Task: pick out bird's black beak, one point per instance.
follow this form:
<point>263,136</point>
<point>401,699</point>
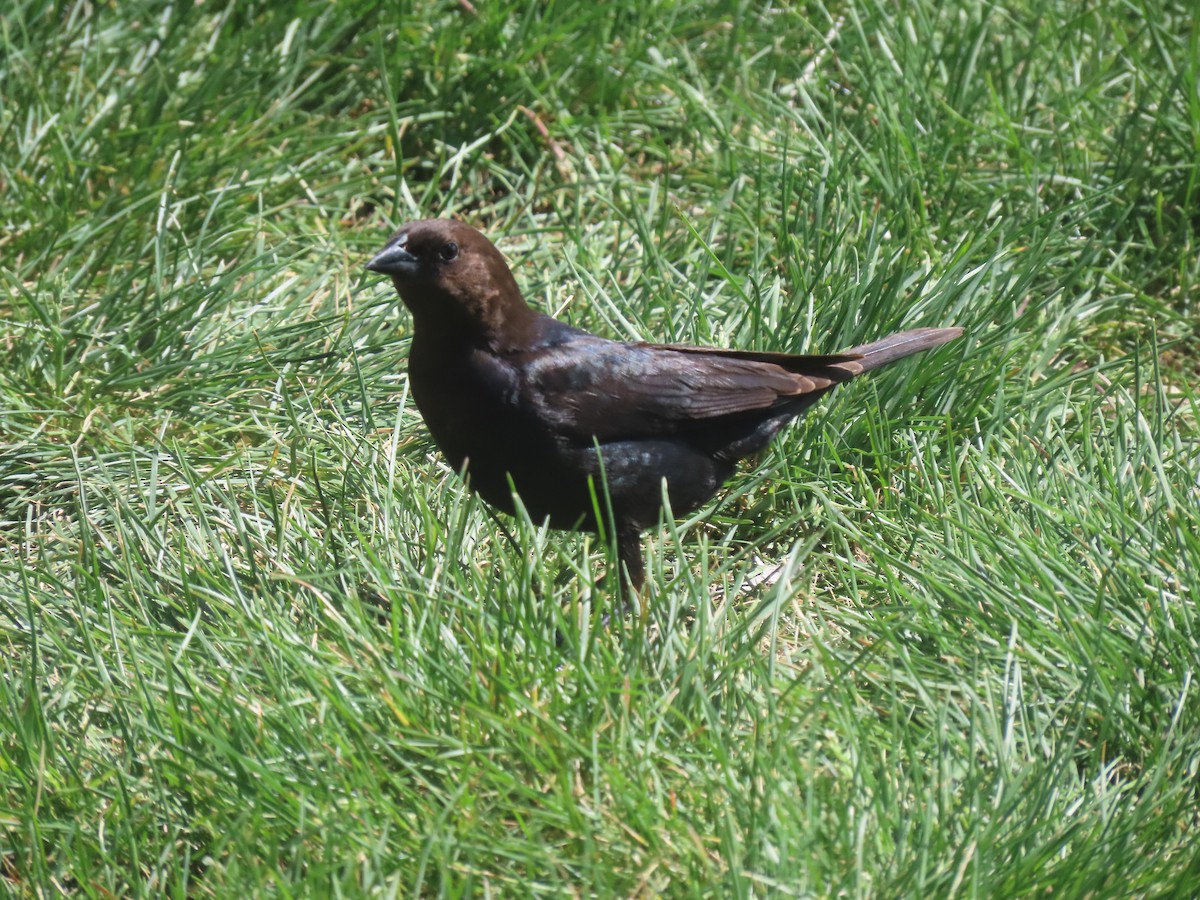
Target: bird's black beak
<point>394,259</point>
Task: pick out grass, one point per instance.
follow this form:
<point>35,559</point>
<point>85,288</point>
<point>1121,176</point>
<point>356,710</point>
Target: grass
<point>941,640</point>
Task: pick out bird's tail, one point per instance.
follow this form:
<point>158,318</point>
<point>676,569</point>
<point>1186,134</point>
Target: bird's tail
<point>896,346</point>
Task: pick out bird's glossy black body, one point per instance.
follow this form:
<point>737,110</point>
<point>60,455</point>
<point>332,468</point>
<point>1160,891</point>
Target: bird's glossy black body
<point>512,394</point>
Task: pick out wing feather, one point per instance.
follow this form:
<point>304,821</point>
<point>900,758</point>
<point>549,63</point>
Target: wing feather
<point>590,387</point>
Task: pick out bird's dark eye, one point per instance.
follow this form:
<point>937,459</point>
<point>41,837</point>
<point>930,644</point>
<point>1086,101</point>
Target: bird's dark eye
<point>449,251</point>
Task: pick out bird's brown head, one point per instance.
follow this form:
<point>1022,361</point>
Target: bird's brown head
<point>452,279</point>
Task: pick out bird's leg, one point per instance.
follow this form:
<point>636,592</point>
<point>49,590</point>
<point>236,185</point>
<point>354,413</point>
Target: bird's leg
<point>631,577</point>
<point>633,571</point>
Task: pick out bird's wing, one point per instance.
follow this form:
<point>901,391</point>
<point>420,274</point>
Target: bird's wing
<point>590,387</point>
<point>787,361</point>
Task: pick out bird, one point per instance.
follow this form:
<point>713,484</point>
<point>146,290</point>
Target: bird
<point>589,432</point>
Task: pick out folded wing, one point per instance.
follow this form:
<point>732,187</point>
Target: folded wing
<point>592,388</point>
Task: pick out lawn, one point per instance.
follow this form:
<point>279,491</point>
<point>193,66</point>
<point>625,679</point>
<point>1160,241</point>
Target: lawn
<point>942,639</point>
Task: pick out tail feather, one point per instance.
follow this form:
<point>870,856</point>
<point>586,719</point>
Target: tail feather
<point>896,346</point>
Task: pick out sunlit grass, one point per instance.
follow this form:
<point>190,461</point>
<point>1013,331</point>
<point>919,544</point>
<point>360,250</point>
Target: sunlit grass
<point>940,640</point>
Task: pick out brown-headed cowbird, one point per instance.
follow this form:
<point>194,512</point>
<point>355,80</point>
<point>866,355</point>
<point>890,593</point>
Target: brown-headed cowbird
<point>511,393</point>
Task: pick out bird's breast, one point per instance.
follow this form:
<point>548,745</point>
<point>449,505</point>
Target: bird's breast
<point>462,393</point>
<point>470,401</point>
